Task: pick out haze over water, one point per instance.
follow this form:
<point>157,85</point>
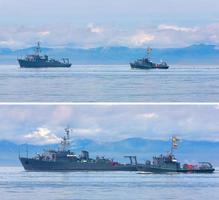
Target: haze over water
<point>109,83</point>
<point>17,184</point>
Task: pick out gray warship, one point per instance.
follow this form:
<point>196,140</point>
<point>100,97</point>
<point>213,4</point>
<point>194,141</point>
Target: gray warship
<point>64,159</point>
<point>145,63</point>
<point>169,163</point>
<point>37,61</point>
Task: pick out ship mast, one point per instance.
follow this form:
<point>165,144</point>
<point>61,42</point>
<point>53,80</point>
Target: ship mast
<point>38,49</point>
<point>149,50</point>
<point>65,143</point>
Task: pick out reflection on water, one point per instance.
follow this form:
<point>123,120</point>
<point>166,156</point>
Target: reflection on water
<point>109,83</point>
<point>15,183</point>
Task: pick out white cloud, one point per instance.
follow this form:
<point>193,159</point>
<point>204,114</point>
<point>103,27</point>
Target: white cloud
<point>8,43</point>
<point>86,131</point>
<point>42,136</point>
<point>176,28</point>
<point>105,123</point>
<point>95,29</point>
<point>149,116</point>
<point>141,38</point>
<point>61,114</point>
<point>44,33</point>
<point>92,35</point>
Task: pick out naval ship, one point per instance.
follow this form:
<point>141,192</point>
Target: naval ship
<point>169,163</point>
<point>37,61</point>
<point>64,159</point>
<point>145,63</point>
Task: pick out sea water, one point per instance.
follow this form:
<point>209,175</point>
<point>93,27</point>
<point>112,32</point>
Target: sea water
<point>109,83</point>
<point>17,184</point>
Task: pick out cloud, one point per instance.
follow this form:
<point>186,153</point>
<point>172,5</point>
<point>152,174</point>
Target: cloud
<point>86,131</point>
<point>42,136</point>
<point>108,123</point>
<point>61,115</point>
<point>91,35</point>
<point>112,23</point>
<point>176,28</point>
<point>131,38</point>
<point>22,36</point>
<point>9,42</point>
<point>141,38</point>
<point>44,33</point>
<point>149,116</point>
<point>95,29</point>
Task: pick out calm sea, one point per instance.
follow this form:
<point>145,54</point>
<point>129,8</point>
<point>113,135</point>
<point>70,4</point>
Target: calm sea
<point>16,184</point>
<point>108,83</point>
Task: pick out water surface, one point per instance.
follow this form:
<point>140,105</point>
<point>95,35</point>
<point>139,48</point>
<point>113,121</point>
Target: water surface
<point>109,83</point>
<point>16,184</point>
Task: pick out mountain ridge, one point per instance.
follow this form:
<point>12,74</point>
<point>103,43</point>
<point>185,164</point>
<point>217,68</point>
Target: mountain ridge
<point>201,54</point>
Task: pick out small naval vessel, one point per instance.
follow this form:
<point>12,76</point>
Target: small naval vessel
<point>37,61</point>
<point>169,163</point>
<point>64,159</point>
<point>145,63</point>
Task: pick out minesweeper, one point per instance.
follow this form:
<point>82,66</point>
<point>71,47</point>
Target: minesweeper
<point>37,61</point>
<point>169,163</point>
<point>145,63</point>
<point>64,159</point>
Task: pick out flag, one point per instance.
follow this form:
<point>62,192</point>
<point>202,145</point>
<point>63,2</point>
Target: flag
<point>175,141</point>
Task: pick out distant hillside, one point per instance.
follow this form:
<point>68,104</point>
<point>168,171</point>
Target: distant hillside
<point>143,148</point>
<point>196,54</point>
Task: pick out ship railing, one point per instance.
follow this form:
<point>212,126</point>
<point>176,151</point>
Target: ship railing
<point>206,164</point>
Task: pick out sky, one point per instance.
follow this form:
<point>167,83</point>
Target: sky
<point>88,24</point>
<point>44,124</point>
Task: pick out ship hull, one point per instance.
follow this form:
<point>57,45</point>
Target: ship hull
<point>139,66</point>
<point>30,164</point>
<point>180,170</point>
<point>42,64</point>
